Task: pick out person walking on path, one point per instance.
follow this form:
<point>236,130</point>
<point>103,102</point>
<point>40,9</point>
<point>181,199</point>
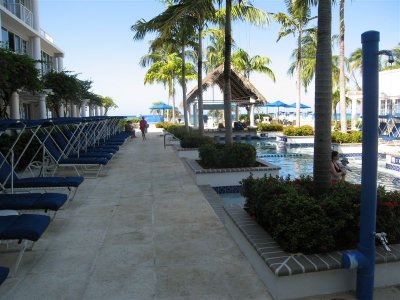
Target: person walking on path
<point>143,127</point>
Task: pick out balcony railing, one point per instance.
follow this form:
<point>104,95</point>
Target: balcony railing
<point>20,11</point>
<point>46,36</point>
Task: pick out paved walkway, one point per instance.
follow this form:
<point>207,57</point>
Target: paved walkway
<point>144,231</point>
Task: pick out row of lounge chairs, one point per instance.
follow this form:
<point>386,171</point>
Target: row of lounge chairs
<point>85,144</point>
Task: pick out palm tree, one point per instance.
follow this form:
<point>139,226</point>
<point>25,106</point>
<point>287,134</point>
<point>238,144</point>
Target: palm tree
<point>342,79</point>
<point>323,99</point>
<point>245,64</point>
<point>243,11</point>
<point>179,32</point>
<point>295,23</point>
<point>355,61</point>
<point>162,68</point>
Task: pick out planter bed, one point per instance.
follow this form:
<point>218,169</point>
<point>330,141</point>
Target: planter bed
<point>230,176</point>
<point>289,275</point>
<point>190,153</point>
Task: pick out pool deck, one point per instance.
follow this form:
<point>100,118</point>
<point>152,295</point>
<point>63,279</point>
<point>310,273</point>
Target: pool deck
<point>143,231</point>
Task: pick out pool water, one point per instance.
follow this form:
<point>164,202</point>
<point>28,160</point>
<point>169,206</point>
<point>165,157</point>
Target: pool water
<point>299,161</point>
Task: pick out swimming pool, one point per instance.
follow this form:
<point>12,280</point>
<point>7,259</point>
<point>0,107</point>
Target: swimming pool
<point>299,161</point>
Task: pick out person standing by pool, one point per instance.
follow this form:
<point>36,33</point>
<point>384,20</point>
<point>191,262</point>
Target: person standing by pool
<point>336,172</point>
<point>143,127</point>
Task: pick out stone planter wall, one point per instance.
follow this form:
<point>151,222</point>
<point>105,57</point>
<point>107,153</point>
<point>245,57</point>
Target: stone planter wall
<point>296,141</point>
<point>229,176</point>
<point>393,162</point>
<point>190,153</point>
<point>289,275</point>
<point>348,150</point>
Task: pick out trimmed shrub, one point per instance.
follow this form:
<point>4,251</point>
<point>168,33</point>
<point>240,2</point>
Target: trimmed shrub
<point>195,141</point>
<point>222,156</point>
<point>352,137</point>
<point>301,221</point>
<point>269,127</point>
<point>305,130</point>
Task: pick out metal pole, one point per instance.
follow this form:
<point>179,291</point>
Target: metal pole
<point>365,274</point>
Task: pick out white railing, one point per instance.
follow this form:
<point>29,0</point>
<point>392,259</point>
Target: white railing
<point>20,11</point>
<point>46,36</point>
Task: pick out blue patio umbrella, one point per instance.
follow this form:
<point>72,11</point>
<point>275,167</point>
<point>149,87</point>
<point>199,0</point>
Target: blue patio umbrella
<point>277,104</point>
<point>302,106</point>
<point>161,106</point>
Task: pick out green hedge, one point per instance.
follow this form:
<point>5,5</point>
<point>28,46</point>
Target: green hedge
<point>300,221</point>
<point>352,137</point>
<point>269,127</point>
<point>222,156</point>
<point>305,130</point>
<point>195,141</point>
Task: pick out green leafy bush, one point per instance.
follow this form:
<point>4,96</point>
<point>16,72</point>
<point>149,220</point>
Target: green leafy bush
<point>195,141</point>
<point>352,137</point>
<point>301,221</point>
<point>6,141</point>
<point>269,127</point>
<point>222,156</point>
<point>305,130</point>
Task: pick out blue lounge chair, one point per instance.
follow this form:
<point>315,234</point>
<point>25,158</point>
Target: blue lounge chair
<point>33,201</point>
<point>23,228</point>
<point>71,183</point>
<point>3,274</point>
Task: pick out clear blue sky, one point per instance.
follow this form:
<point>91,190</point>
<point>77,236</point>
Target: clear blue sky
<point>96,38</point>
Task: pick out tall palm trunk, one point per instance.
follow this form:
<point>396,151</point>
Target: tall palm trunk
<point>200,78</point>
<point>342,83</point>
<point>227,75</point>
<point>299,64</point>
<point>323,99</point>
<point>185,109</point>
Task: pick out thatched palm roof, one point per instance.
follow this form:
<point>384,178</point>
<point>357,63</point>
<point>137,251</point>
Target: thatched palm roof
<point>241,87</point>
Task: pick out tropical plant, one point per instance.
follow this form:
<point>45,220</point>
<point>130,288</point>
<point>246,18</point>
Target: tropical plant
<point>17,72</point>
<point>108,103</point>
<point>245,64</point>
<point>66,88</point>
<point>295,23</point>
<point>355,61</point>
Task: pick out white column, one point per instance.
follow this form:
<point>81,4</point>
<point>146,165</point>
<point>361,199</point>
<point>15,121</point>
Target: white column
<point>195,115</point>
<point>74,111</point>
<point>91,114</point>
<point>237,117</point>
<point>60,63</point>
<point>83,107</point>
<point>61,110</point>
<point>14,106</point>
<point>35,12</point>
<point>36,54</point>
<point>96,110</point>
<point>42,107</point>
<point>353,113</point>
<point>101,111</point>
<point>251,115</point>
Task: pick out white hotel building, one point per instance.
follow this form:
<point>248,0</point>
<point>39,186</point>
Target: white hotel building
<point>21,33</point>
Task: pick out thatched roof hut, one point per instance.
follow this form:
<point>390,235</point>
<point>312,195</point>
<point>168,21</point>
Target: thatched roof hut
<point>241,88</point>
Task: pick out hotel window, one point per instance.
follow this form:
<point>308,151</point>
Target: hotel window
<point>397,107</point>
<point>4,37</point>
<point>47,63</point>
<point>13,42</point>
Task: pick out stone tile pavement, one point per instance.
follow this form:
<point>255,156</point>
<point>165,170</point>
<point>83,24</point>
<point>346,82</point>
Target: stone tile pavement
<point>143,231</point>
